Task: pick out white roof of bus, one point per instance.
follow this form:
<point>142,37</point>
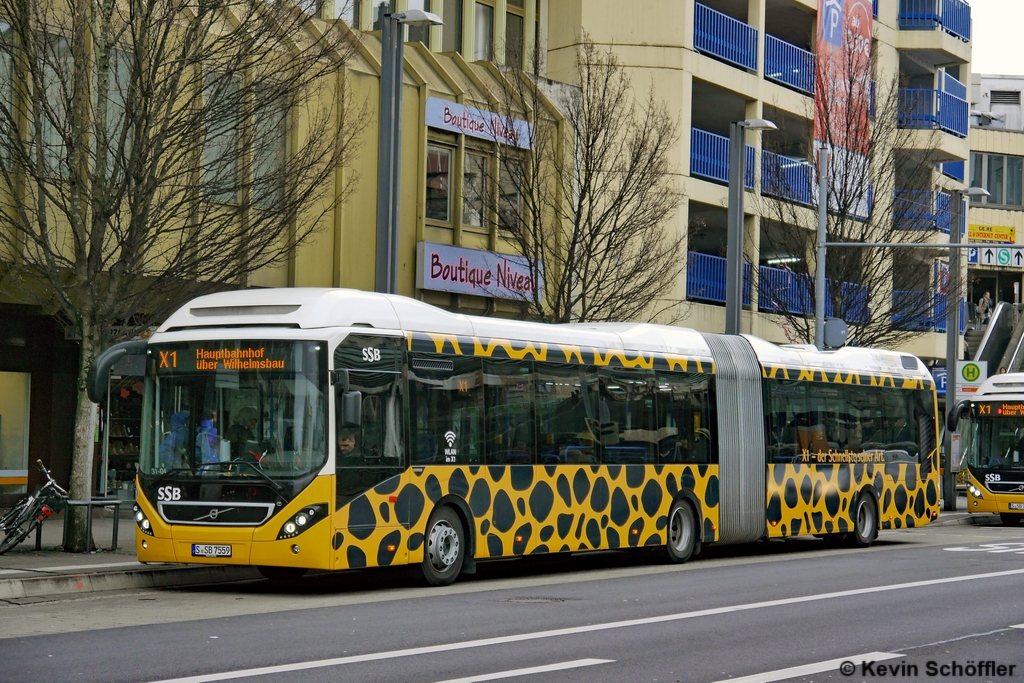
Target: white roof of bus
<point>1005,387</point>
<point>309,308</point>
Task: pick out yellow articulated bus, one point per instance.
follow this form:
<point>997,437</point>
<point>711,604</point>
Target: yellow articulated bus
<point>330,429</point>
<point>992,446</point>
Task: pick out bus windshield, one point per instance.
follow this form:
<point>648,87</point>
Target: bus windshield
<point>995,441</point>
<point>235,408</point>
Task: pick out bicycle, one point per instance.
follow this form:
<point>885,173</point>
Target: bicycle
<point>27,514</point>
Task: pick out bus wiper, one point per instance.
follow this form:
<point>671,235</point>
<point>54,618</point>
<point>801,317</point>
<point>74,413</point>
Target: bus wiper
<point>270,480</point>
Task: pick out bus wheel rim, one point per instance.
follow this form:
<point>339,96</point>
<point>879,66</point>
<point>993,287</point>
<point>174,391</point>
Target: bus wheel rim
<point>443,546</point>
<point>679,529</point>
<point>864,519</point>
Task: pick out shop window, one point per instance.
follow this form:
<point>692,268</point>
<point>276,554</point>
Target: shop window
<point>14,404</point>
<point>420,34</point>
<point>995,179</point>
<point>510,201</point>
<point>220,148</point>
<point>438,184</point>
<point>124,422</point>
<point>514,40</point>
<point>474,190</point>
<point>270,146</point>
<point>483,33</point>
<point>1014,168</point>
<point>977,173</point>
<point>451,32</point>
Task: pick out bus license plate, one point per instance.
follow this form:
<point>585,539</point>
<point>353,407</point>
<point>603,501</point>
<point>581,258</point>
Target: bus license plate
<point>207,550</point>
<point>1017,506</point>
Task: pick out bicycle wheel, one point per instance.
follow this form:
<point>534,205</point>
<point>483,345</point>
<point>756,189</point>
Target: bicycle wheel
<point>13,514</point>
<point>18,529</point>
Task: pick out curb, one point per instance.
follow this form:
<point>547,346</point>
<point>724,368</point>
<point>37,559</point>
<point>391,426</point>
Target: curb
<point>967,519</point>
<point>81,583</point>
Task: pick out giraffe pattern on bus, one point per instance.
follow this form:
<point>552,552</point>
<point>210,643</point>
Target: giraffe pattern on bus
<point>807,374</point>
<point>806,498</point>
<point>522,509</point>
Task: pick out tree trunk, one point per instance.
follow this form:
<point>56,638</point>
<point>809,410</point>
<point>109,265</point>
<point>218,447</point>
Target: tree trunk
<point>77,540</point>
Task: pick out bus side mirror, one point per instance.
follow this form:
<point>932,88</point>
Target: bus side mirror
<point>953,419</point>
<point>351,408</point>
<point>350,403</point>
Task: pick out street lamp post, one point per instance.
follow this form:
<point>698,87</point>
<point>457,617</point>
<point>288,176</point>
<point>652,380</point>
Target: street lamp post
<point>392,61</point>
<point>734,247</point>
<point>953,332</point>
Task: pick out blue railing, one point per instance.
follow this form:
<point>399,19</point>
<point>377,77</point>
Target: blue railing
<point>787,178</point>
<point>953,169</point>
<point>922,210</point>
<point>874,8</point>
<point>783,291</point>
<point>720,35</point>
<point>931,108</point>
<point>705,278</point>
<point>872,98</point>
<point>921,311</point>
<point>788,64</point>
<point>709,157</point>
<point>956,18</point>
<point>856,303</point>
<point>952,85</point>
<point>953,16</point>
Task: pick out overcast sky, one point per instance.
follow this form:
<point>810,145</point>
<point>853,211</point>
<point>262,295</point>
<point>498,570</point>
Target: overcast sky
<point>996,36</point>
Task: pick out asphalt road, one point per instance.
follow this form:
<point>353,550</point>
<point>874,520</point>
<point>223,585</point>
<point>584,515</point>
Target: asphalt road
<point>934,598</point>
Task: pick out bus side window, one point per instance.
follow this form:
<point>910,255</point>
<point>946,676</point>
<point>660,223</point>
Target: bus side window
<point>508,390</point>
<point>565,410</point>
<point>446,403</point>
<point>686,427</point>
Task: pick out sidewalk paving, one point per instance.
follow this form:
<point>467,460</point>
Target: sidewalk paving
<point>27,575</point>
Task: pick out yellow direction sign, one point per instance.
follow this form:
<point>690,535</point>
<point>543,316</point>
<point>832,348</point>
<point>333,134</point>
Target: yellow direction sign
<point>1003,234</point>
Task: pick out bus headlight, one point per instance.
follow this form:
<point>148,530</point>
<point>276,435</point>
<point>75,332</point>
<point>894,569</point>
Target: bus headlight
<point>306,517</point>
<point>974,491</point>
<point>142,521</point>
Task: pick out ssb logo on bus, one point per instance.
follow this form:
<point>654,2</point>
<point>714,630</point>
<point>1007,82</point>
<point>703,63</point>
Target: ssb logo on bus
<point>371,355</point>
<point>168,493</point>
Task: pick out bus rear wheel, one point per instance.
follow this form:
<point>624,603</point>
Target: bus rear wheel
<point>445,549</point>
<point>865,522</point>
<point>1010,519</point>
<point>282,574</point>
<point>682,532</point>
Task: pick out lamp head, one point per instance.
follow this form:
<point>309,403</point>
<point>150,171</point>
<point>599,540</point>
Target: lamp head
<point>976,192</point>
<point>417,17</point>
<point>758,124</point>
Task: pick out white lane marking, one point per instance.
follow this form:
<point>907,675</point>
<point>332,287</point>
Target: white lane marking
<point>573,630</point>
<point>575,664</point>
<point>1003,547</point>
<point>72,568</point>
<point>816,668</point>
<point>1017,626</point>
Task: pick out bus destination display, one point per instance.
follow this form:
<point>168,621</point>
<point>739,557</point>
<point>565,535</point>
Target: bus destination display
<point>1002,409</point>
<point>211,360</point>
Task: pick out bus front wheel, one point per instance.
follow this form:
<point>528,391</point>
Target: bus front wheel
<point>865,522</point>
<point>682,532</point>
<point>445,549</point>
<point>1010,519</point>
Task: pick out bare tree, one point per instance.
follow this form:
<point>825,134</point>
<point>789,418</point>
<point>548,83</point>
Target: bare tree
<point>589,203</point>
<point>155,150</point>
<point>880,188</point>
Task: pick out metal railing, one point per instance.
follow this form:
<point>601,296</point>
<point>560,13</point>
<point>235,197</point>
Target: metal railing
<point>874,8</point>
<point>856,303</point>
<point>915,311</point>
<point>709,157</point>
<point>788,64</point>
<point>932,108</point>
<point>705,278</point>
<point>722,36</point>
<point>953,16</point>
<point>922,210</point>
<point>783,291</point>
<point>787,178</point>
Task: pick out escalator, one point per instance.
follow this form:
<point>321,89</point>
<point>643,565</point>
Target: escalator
<point>1001,341</point>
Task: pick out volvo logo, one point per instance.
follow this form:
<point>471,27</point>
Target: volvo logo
<point>212,514</point>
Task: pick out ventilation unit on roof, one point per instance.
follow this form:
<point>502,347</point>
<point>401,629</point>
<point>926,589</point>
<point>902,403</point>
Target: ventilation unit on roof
<point>281,309</point>
<point>1005,97</point>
